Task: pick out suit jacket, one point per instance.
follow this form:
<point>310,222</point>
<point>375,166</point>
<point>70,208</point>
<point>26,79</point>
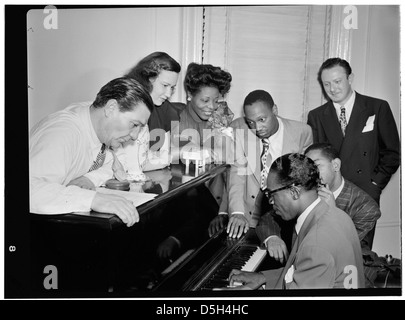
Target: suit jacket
<point>327,250</point>
<point>370,149</point>
<point>243,180</point>
<point>360,207</point>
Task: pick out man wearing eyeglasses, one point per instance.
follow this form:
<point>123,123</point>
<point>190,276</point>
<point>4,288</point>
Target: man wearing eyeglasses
<point>326,251</point>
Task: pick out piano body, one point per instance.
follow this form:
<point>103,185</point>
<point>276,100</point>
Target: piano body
<point>97,254</point>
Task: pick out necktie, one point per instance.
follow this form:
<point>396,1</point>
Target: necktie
<point>99,160</point>
<point>263,174</point>
<point>342,119</point>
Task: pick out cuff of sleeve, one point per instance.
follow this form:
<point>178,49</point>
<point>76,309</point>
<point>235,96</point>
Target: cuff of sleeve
<point>238,212</point>
<point>222,212</point>
<point>177,240</point>
<point>265,240</point>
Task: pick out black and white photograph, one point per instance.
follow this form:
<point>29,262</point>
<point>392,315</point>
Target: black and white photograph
<point>203,151</point>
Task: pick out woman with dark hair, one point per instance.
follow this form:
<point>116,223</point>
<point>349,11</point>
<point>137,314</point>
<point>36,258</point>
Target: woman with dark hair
<point>158,72</point>
<point>205,85</point>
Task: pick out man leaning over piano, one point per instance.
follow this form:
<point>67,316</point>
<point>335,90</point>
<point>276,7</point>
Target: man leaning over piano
<point>326,250</point>
<point>69,146</point>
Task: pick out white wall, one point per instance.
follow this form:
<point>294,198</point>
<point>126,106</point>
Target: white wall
<point>375,60</point>
<point>91,47</point>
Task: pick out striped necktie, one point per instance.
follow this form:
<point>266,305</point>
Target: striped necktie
<point>263,174</point>
<point>100,159</point>
<point>342,119</point>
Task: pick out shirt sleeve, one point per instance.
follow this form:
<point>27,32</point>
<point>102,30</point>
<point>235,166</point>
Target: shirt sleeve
<point>51,156</point>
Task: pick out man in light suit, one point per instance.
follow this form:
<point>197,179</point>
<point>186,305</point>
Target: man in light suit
<point>326,251</point>
<point>369,148</point>
<point>336,192</point>
<point>244,201</point>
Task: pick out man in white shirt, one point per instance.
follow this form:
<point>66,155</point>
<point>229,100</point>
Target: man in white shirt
<point>248,173</point>
<point>326,251</point>
<point>65,148</point>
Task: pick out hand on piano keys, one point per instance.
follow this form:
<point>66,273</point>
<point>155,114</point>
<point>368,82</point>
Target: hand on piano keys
<point>244,280</point>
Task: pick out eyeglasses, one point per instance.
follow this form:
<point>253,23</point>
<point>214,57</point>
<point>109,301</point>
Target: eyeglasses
<point>268,193</point>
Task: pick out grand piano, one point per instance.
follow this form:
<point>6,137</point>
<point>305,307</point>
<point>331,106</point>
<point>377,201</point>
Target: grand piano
<point>96,254</point>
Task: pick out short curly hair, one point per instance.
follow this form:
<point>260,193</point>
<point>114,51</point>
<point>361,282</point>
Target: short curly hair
<point>206,75</point>
<point>298,169</point>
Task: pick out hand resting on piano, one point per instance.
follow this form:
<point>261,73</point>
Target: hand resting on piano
<point>244,280</point>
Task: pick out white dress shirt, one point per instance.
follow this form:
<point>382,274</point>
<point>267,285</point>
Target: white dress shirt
<point>348,107</point>
<point>62,147</point>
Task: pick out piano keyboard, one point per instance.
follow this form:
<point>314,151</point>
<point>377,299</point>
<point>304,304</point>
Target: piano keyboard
<point>245,258</point>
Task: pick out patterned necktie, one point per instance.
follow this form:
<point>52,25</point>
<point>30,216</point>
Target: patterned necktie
<point>263,175</point>
<point>342,119</point>
<point>100,159</point>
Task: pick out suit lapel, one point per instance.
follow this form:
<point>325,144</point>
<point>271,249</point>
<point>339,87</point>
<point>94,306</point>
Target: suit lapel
<point>355,126</point>
<point>252,152</point>
<point>332,125</point>
<point>307,225</point>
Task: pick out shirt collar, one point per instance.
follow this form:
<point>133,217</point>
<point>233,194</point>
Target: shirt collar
<point>348,106</point>
<point>303,216</point>
<point>339,190</point>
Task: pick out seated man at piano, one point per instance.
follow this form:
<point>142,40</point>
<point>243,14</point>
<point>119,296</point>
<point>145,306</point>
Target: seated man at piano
<point>326,250</point>
<point>336,192</point>
<point>260,136</point>
<point>68,145</point>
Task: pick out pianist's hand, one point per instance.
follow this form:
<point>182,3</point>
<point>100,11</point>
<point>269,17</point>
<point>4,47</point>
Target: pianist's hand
<point>111,203</point>
<point>167,247</point>
<point>244,280</point>
<point>218,223</point>
<point>277,249</point>
<point>82,182</point>
<point>237,225</point>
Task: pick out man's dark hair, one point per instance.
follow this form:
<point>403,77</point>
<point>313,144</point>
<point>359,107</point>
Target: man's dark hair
<point>326,149</point>
<point>259,95</point>
<point>126,91</point>
<point>298,169</point>
<point>333,62</point>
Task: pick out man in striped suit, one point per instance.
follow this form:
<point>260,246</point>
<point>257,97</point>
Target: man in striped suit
<point>336,192</point>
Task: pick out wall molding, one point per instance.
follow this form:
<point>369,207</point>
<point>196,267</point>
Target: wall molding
<point>340,44</point>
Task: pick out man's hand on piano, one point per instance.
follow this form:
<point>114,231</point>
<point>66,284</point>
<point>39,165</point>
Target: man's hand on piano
<point>167,247</point>
<point>217,224</point>
<point>277,249</point>
<point>111,203</point>
<point>237,225</point>
<point>244,280</point>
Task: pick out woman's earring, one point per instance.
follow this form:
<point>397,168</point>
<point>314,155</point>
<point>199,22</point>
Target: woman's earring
<point>188,99</point>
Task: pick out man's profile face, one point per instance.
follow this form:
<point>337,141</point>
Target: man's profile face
<point>282,200</point>
<point>325,166</point>
<point>337,84</point>
<point>261,119</point>
<point>124,126</point>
